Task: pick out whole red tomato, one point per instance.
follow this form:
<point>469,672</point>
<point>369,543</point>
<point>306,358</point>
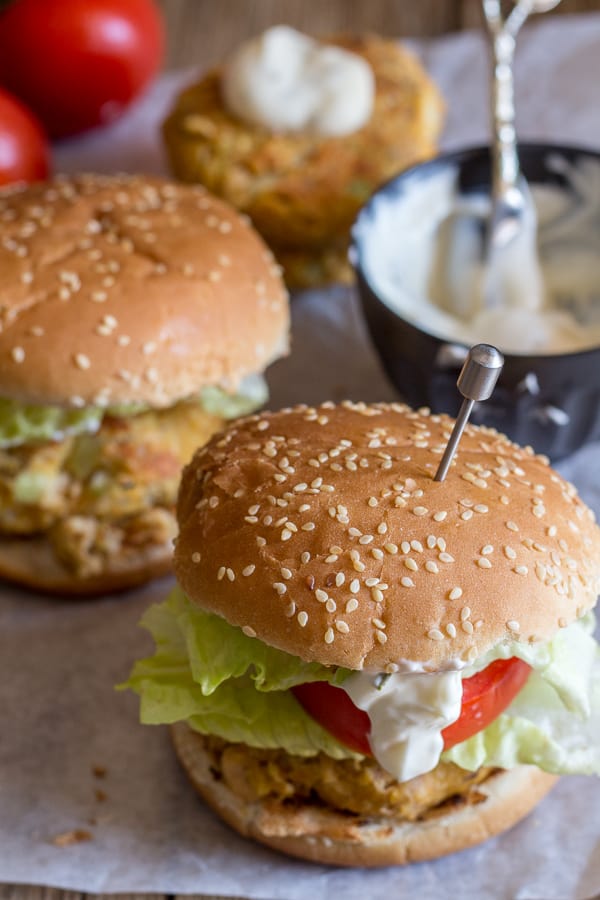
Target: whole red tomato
<point>23,145</point>
<point>79,63</point>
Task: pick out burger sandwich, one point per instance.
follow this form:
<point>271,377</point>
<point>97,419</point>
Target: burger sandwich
<point>136,316</point>
<point>362,665</point>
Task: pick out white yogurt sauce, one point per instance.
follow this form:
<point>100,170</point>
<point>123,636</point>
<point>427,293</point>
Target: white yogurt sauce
<point>286,81</point>
<point>422,255</point>
<point>408,714</point>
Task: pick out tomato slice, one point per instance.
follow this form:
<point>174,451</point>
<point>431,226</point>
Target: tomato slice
<point>485,695</point>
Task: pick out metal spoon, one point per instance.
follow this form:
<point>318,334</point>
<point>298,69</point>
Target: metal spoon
<point>510,197</point>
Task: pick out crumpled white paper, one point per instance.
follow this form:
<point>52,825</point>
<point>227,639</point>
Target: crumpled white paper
<point>72,755</point>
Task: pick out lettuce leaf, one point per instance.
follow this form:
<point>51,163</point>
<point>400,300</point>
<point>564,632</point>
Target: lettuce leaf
<point>251,393</point>
<point>29,424</point>
<point>538,729</point>
<point>222,682</point>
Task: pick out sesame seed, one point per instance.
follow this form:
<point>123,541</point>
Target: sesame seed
<point>377,595</point>
<point>484,563</point>
<point>249,570</point>
<point>432,567</point>
<point>82,361</point>
<point>465,613</point>
<point>376,553</point>
<point>196,557</point>
<point>342,626</point>
<point>286,534</point>
<point>329,636</point>
<point>221,573</point>
<point>248,631</point>
<point>411,564</point>
<point>308,526</point>
<point>512,526</point>
<point>381,636</point>
<point>280,587</point>
<point>455,593</point>
<point>230,574</point>
<point>405,581</point>
<point>451,630</point>
<point>354,586</point>
<point>521,570</point>
<point>513,626</point>
<point>467,626</point>
<point>351,605</point>
<point>378,623</point>
<point>331,605</point>
<point>322,596</point>
<point>18,354</point>
<point>305,557</point>
<point>466,515</point>
<point>365,539</point>
<point>420,511</point>
<point>371,582</point>
<point>446,557</point>
<point>440,516</point>
<point>302,619</point>
<point>487,550</point>
<point>435,634</point>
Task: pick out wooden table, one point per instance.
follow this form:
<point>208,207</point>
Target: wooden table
<point>201,32</point>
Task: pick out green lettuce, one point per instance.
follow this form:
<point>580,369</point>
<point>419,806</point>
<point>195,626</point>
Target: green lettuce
<point>29,424</point>
<point>554,722</point>
<point>222,682</point>
<point>251,393</point>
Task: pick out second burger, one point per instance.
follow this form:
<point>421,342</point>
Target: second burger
<point>136,316</point>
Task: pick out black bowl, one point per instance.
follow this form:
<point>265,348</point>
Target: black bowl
<point>551,402</point>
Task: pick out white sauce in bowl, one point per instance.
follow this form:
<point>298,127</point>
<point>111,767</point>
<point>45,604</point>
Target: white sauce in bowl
<point>420,251</point>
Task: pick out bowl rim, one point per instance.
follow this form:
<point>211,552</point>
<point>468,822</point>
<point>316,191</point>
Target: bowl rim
<point>459,155</point>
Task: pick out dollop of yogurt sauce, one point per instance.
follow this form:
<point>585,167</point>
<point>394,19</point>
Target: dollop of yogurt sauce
<point>286,81</point>
<point>421,251</point>
<point>408,713</point>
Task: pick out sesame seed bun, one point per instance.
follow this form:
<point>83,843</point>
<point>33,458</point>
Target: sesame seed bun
<point>322,532</point>
<point>119,289</point>
<point>32,563</point>
<point>327,836</point>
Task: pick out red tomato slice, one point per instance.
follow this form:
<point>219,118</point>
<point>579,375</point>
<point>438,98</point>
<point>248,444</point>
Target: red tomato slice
<point>485,696</point>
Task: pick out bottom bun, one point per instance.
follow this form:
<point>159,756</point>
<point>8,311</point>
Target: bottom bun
<point>325,835</point>
<point>31,563</point>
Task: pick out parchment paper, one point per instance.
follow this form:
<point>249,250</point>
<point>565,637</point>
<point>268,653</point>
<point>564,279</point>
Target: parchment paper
<point>72,756</point>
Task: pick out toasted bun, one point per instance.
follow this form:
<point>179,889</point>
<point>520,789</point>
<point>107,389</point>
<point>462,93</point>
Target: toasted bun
<point>32,563</point>
<point>327,836</point>
<point>323,533</point>
<point>118,289</point>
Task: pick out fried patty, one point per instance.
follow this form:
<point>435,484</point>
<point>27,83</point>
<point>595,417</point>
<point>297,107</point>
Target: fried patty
<point>303,191</point>
<point>354,786</point>
<point>95,495</point>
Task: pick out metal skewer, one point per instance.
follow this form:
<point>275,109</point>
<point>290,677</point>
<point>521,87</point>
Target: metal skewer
<point>476,381</point>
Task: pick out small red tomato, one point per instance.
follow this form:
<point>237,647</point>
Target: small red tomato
<point>23,144</point>
<point>79,63</point>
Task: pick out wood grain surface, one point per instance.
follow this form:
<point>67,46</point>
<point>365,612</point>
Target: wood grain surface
<point>201,32</point>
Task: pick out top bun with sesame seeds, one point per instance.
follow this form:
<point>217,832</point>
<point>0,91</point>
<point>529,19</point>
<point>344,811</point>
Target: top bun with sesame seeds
<point>323,533</point>
<point>119,289</point>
